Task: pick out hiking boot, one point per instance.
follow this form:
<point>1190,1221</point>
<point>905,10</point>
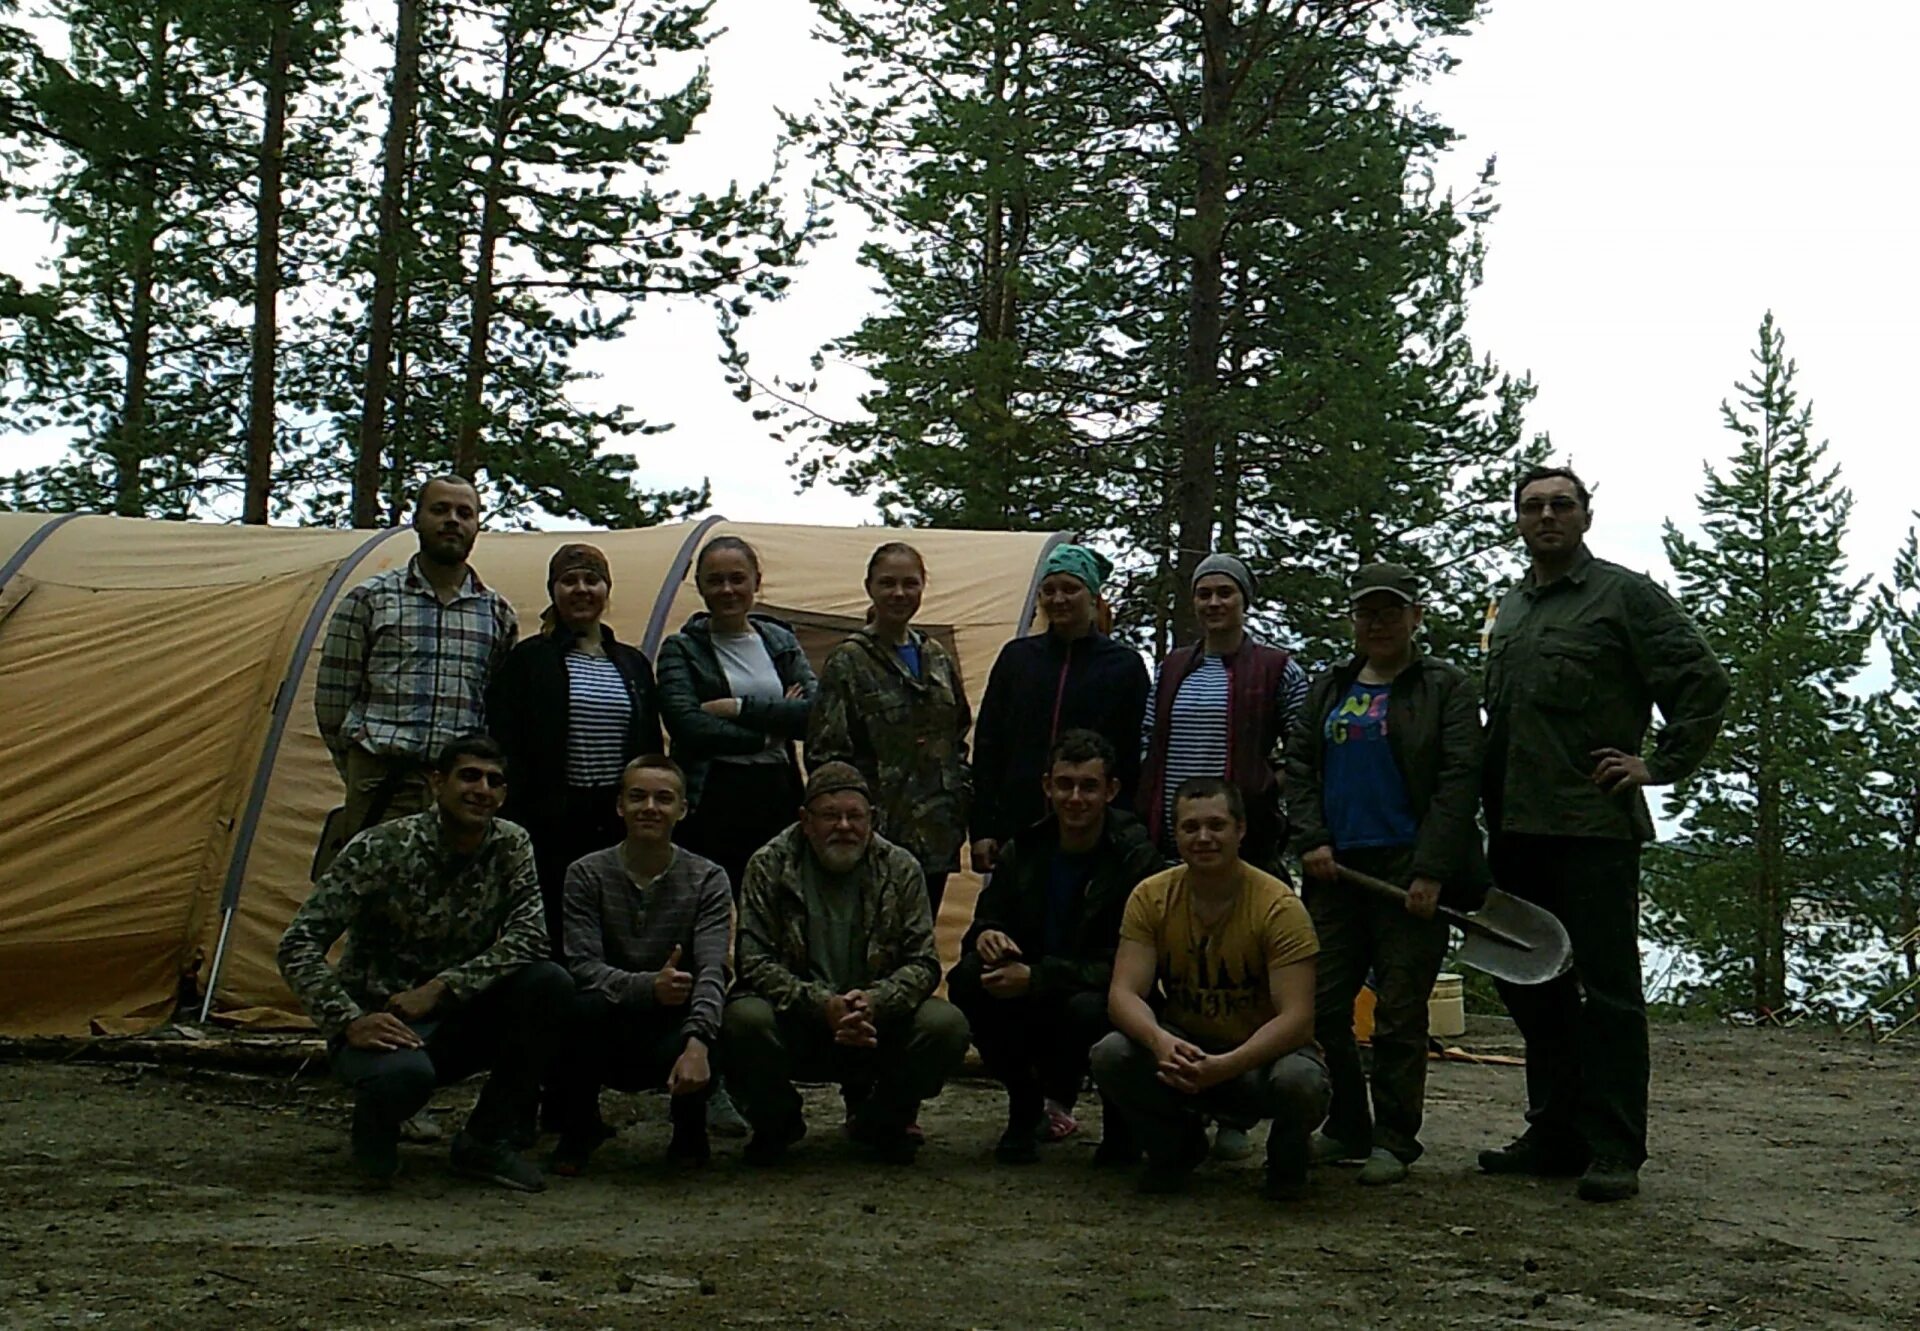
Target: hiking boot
<point>423,1128</point>
<point>375,1147</point>
<point>573,1150</point>
<point>1325,1150</point>
<point>769,1146</point>
<point>689,1146</point>
<point>1382,1167</point>
<point>1534,1155</point>
<point>723,1119</point>
<point>1167,1172</point>
<point>888,1145</point>
<point>1282,1184</point>
<point>1017,1145</point>
<point>1115,1151</point>
<point>496,1163</point>
<point>1230,1143</point>
<point>1609,1179</point>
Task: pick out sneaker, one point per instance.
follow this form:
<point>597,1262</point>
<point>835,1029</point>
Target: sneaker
<point>723,1119</point>
<point>770,1147</point>
<point>375,1147</point>
<point>1230,1143</point>
<point>1382,1167</point>
<point>1609,1179</point>
<point>1168,1173</point>
<point>571,1153</point>
<point>494,1162</point>
<point>1018,1145</point>
<point>1534,1155</point>
<point>422,1127</point>
<point>1056,1124</point>
<point>1325,1150</point>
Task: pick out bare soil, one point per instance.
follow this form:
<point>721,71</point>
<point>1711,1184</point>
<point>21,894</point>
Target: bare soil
<point>1785,1192</point>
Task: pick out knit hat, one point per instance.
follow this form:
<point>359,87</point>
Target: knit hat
<point>577,554</point>
<point>1090,566</point>
<point>832,778</point>
<point>1232,567</point>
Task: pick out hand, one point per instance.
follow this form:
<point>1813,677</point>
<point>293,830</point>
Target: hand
<point>1319,865</point>
<point>417,1003</point>
<point>995,948</point>
<point>381,1031</point>
<point>855,1026</point>
<point>1178,1061</point>
<point>795,692</point>
<point>1194,1075</point>
<point>983,853</point>
<point>1423,896</point>
<point>1620,773</point>
<point>1009,980</point>
<point>672,986</point>
<point>729,708</point>
<point>691,1071</point>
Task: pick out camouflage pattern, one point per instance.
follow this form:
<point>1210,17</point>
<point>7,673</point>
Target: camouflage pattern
<point>907,736</point>
<point>771,955</point>
<point>412,911</point>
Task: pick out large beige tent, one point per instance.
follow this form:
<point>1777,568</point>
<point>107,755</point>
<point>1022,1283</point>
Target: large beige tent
<point>161,777</point>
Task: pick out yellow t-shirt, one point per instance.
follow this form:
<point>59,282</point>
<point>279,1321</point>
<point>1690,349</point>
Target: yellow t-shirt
<point>1216,980</point>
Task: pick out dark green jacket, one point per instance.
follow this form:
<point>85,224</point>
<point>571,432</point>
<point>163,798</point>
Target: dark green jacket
<point>1433,731</point>
<point>908,737</point>
<point>690,673</point>
<point>1014,901</point>
<point>1579,665</point>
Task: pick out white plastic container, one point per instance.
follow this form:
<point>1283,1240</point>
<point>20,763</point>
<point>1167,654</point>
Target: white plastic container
<point>1447,1008</point>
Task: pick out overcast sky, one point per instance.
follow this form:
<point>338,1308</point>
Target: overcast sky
<point>1670,169</point>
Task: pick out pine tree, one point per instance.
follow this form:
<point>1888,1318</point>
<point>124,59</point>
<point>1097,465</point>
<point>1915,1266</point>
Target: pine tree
<point>1894,735</point>
<point>1774,817</point>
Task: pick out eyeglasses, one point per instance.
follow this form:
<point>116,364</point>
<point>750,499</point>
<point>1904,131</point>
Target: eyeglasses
<point>1387,614</point>
<point>469,775</point>
<point>1561,504</point>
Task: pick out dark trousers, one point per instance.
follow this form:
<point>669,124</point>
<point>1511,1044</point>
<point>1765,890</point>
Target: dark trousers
<point>589,820</point>
<point>742,807</point>
<point>1586,1032</point>
<point>1291,1090</point>
<point>1361,935</point>
<point>1036,1047</point>
<point>767,1051</point>
<point>626,1048</point>
<point>505,1031</point>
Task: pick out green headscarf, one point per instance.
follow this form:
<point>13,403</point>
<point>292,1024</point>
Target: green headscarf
<point>1090,566</point>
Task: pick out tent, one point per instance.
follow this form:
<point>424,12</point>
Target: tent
<point>162,782</point>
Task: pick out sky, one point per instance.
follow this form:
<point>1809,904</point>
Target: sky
<point>1670,170</point>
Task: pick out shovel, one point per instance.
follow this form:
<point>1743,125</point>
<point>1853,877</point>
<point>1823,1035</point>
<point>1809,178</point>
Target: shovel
<point>1509,939</point>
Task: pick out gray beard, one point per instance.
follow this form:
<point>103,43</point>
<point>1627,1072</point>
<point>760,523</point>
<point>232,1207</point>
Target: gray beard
<point>840,859</point>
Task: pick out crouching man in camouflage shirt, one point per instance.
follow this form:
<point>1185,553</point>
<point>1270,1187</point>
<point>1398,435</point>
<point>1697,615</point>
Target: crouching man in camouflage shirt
<point>837,969</point>
<point>443,973</point>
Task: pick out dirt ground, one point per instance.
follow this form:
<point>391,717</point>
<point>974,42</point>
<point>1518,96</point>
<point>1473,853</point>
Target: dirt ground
<point>1785,1192</point>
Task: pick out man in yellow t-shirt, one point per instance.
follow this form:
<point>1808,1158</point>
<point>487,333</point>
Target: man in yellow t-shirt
<point>1212,1003</point>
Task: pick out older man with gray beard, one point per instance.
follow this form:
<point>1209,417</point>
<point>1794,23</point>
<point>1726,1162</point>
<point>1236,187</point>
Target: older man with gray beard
<point>837,970</point>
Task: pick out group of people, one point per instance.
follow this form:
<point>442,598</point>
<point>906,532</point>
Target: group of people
<point>530,886</point>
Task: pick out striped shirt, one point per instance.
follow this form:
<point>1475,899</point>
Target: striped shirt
<point>402,674</point>
<point>599,712</point>
<point>1197,735</point>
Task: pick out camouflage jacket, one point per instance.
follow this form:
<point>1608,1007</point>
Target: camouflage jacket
<point>770,952</point>
<point>412,911</point>
<point>907,736</point>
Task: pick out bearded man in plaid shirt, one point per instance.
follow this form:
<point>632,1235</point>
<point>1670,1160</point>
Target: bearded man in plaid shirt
<point>405,665</point>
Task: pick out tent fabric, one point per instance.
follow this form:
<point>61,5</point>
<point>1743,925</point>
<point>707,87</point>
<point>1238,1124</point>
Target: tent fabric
<point>140,668</point>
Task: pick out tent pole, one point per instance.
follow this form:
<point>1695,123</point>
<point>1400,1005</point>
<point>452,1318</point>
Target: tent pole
<point>219,955</point>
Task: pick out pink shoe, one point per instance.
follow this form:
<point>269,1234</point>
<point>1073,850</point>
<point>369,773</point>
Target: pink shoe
<point>1059,1124</point>
<point>914,1134</point>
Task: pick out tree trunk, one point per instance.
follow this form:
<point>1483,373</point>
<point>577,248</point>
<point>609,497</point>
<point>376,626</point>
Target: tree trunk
<point>129,447</point>
<point>1194,484</point>
<point>1909,906</point>
<point>493,217</point>
<point>403,96</point>
<point>996,348</point>
<point>266,266</point>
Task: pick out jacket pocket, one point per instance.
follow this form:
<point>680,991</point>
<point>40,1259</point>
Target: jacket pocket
<point>1566,682</point>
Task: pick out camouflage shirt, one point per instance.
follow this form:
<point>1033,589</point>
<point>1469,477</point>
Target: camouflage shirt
<point>908,737</point>
<point>772,955</point>
<point>1579,664</point>
<point>414,911</point>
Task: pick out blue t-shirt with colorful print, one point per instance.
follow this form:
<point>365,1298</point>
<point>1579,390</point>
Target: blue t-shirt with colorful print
<point>1363,797</point>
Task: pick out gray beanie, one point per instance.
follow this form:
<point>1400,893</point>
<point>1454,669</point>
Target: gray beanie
<point>1229,565</point>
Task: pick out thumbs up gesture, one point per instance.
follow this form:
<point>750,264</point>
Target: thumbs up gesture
<point>671,985</point>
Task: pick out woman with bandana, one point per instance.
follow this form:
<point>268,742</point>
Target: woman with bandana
<point>1070,677</point>
<point>571,707</point>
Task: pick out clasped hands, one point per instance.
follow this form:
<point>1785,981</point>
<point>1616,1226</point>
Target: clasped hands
<point>1187,1067</point>
<point>1003,974</point>
<point>850,1018</point>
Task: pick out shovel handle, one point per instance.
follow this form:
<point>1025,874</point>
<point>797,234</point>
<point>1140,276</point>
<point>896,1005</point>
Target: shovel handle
<point>1381,887</point>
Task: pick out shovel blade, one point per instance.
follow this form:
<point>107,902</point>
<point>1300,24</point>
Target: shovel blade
<point>1539,952</point>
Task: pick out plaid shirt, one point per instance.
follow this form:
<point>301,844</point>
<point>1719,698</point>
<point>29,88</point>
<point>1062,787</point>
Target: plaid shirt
<point>400,673</point>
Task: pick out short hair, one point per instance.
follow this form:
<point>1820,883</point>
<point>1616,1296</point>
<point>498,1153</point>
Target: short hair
<point>1083,746</point>
<point>475,745</point>
<point>653,762</point>
<point>890,549</point>
<point>1212,787</point>
<point>720,543</point>
<point>445,478</point>
<point>1533,474</point>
